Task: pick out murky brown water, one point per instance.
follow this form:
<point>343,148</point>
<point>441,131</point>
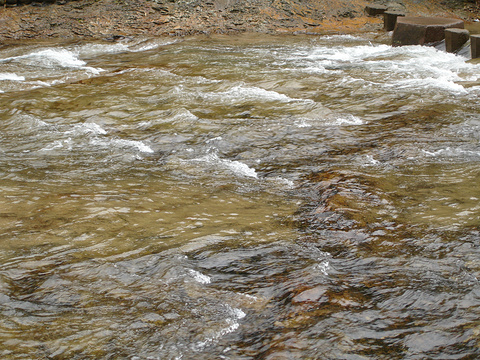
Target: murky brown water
<point>238,197</point>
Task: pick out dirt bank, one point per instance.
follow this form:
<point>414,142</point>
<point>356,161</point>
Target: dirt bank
<point>114,18</point>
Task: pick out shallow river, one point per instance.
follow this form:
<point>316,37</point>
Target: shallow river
<point>242,197</point>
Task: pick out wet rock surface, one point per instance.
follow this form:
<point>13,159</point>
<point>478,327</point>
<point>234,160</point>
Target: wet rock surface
<point>112,18</point>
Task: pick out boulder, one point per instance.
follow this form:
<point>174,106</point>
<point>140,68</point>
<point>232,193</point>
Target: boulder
<point>411,30</point>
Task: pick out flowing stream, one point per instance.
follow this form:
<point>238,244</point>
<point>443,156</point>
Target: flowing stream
<point>239,197</point>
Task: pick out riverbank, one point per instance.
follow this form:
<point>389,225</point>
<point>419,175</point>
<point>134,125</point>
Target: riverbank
<point>118,18</point>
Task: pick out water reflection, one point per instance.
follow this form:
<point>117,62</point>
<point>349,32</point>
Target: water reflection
<point>238,197</point>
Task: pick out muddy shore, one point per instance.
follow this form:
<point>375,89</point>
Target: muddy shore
<point>118,18</point>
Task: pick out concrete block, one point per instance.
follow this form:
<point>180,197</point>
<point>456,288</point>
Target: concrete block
<point>374,9</point>
<point>455,39</point>
<point>390,19</point>
<point>422,30</point>
<point>475,46</point>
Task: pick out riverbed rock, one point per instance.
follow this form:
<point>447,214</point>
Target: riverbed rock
<point>311,295</point>
<point>411,30</point>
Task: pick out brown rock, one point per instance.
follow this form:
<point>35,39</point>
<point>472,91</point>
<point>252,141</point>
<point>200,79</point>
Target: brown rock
<point>314,294</point>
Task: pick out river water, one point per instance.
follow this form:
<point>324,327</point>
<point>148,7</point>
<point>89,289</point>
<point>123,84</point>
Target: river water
<point>241,197</point>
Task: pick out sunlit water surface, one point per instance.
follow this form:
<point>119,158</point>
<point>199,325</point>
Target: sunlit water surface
<point>238,197</point>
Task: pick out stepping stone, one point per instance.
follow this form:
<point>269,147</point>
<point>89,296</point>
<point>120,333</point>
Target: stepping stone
<point>455,39</point>
<point>374,9</point>
<point>390,19</point>
<point>475,46</point>
<point>422,30</point>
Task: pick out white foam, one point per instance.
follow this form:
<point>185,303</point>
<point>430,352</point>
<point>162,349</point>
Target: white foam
<point>334,55</point>
<point>61,57</point>
<point>240,168</point>
<point>371,161</point>
<point>254,93</point>
<point>432,83</point>
<point>11,77</point>
<point>94,128</point>
<point>342,37</point>
<point>236,167</point>
<point>87,128</point>
<point>329,120</point>
<point>199,277</point>
<point>59,144</point>
<point>449,152</point>
<point>234,314</point>
<point>348,120</point>
<point>140,146</point>
<point>238,313</point>
<point>392,68</point>
<point>213,139</point>
<point>324,267</point>
<point>286,182</point>
<point>316,69</point>
<point>302,123</point>
<point>425,68</point>
<point>52,58</point>
<point>244,93</point>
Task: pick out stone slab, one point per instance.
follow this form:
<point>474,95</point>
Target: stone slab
<point>455,39</point>
<point>390,19</point>
<point>411,30</point>
<point>374,9</point>
<point>475,46</point>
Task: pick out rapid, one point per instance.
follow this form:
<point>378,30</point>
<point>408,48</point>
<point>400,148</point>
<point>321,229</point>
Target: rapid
<point>239,197</point>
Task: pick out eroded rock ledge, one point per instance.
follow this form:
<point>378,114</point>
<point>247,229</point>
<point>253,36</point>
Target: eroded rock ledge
<point>21,19</point>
